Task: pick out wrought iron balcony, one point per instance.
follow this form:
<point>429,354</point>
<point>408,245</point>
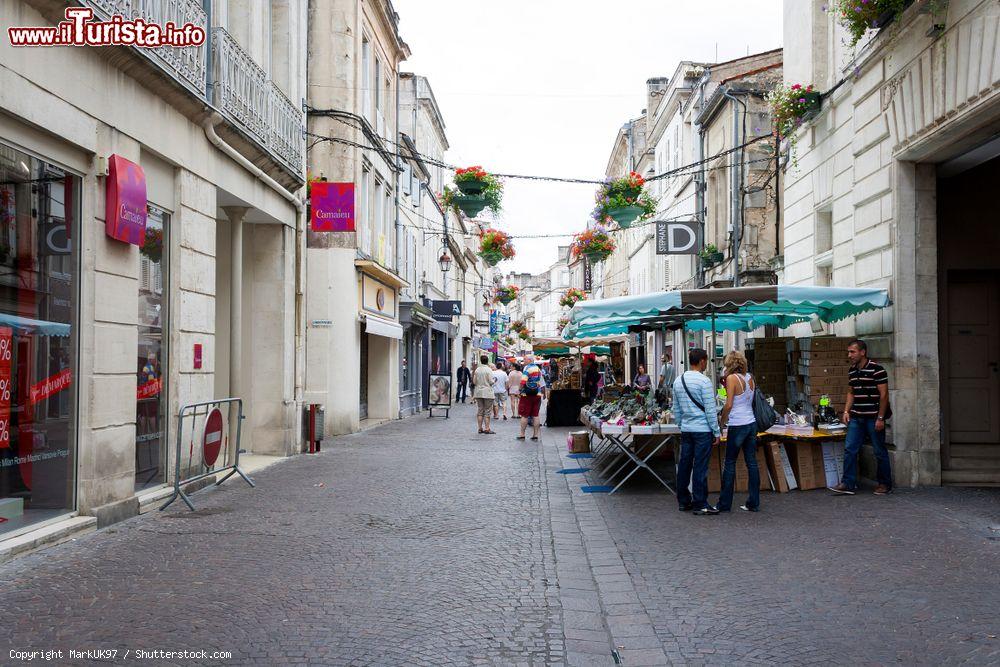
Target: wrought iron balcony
<point>187,64</point>
<point>242,91</point>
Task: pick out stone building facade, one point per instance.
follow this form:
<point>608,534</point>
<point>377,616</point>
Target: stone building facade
<point>892,189</point>
<point>110,338</point>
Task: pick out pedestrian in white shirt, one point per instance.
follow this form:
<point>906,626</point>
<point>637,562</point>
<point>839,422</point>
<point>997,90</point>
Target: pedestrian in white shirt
<point>499,393</point>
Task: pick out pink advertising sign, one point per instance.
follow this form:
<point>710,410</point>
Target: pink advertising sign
<point>126,201</point>
<point>332,207</point>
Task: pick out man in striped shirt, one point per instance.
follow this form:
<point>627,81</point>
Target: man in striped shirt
<point>695,415</point>
<point>865,415</point>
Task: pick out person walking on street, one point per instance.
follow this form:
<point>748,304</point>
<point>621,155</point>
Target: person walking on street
<point>500,392</point>
<point>482,392</point>
<point>741,433</point>
<point>591,378</point>
<point>514,389</point>
<point>464,377</point>
<point>532,386</point>
<point>695,414</point>
<point>865,415</point>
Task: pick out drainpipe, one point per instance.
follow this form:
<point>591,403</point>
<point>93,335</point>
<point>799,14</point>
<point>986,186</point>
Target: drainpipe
<point>209,124</point>
<point>395,140</point>
<point>736,178</point>
<point>700,185</point>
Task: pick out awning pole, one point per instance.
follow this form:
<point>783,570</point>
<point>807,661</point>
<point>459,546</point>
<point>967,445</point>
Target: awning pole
<point>715,370</point>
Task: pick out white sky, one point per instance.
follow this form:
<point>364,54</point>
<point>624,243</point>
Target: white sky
<point>541,87</point>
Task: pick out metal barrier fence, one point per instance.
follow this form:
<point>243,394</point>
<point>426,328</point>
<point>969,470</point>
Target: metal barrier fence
<point>215,442</point>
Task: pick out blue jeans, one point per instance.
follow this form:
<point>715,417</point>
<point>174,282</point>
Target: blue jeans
<point>696,450</point>
<point>858,430</point>
<point>740,438</point>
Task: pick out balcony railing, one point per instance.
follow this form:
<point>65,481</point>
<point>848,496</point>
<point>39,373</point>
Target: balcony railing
<point>243,92</point>
<point>186,64</point>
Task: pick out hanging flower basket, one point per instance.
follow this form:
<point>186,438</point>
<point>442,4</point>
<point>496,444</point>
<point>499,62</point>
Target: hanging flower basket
<point>791,106</point>
<point>524,335</point>
<point>476,182</point>
<point>152,245</point>
<point>505,294</point>
<point>860,16</point>
<point>495,246</point>
<point>571,297</point>
<point>470,205</point>
<point>595,244</point>
<point>563,321</point>
<point>626,215</point>
<point>624,200</point>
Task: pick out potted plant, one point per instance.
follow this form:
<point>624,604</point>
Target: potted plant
<point>860,16</point>
<point>495,246</point>
<point>624,200</point>
<point>572,295</point>
<point>479,190</point>
<point>524,335</point>
<point>710,255</point>
<point>563,321</point>
<point>505,294</point>
<point>595,244</point>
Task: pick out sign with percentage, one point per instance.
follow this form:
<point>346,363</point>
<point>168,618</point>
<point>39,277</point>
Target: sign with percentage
<point>6,360</point>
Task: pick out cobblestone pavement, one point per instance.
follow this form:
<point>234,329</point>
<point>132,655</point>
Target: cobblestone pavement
<point>421,542</point>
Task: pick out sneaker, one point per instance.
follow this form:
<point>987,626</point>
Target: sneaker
<point>882,490</point>
<point>706,511</point>
<point>749,509</point>
<point>841,490</point>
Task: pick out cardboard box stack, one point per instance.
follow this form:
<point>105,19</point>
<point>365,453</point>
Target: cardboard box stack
<point>823,367</point>
<point>769,366</point>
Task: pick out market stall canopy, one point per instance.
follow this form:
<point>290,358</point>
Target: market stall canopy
<point>565,345</point>
<point>735,308</point>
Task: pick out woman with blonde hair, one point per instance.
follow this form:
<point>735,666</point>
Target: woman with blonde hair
<point>741,434</point>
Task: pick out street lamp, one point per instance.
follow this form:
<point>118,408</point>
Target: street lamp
<point>444,261</point>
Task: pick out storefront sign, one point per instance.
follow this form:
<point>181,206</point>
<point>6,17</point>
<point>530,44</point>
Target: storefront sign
<point>445,310</point>
<point>212,442</point>
<point>332,206</point>
<point>125,201</point>
<point>6,355</point>
<point>494,323</point>
<point>50,386</point>
<point>150,389</point>
<point>197,356</point>
<point>588,275</point>
<point>677,238</point>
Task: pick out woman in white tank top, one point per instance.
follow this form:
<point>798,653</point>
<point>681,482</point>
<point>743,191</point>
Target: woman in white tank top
<point>741,434</point>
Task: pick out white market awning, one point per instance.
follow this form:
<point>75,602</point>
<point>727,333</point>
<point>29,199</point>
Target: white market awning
<point>380,326</point>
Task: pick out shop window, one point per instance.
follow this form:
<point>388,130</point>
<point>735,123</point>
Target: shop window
<point>151,361</point>
<point>39,214</point>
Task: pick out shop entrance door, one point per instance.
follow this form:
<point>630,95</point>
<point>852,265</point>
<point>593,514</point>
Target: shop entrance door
<point>363,405</point>
<point>972,386</point>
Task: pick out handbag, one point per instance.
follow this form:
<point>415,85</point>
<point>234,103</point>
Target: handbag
<point>763,413</point>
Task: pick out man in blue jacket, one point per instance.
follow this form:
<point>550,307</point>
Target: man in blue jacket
<point>695,415</point>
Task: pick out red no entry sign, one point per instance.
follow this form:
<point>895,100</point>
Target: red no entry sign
<point>212,444</point>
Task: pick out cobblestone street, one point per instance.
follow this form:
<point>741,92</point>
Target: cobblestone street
<point>420,542</point>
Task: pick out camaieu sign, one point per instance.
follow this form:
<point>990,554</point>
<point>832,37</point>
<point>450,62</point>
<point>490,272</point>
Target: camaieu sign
<point>331,207</point>
<point>125,201</point>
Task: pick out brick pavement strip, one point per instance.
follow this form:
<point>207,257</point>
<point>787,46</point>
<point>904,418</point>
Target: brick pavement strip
<point>421,543</point>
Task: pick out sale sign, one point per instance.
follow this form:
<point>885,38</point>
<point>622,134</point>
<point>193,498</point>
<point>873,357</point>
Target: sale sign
<point>125,201</point>
<point>6,356</point>
<point>50,386</point>
<point>332,206</point>
<point>150,389</point>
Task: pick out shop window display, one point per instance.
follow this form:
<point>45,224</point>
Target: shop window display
<point>39,213</point>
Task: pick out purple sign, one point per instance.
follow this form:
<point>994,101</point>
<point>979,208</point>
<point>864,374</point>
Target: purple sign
<point>125,201</point>
<point>332,207</point>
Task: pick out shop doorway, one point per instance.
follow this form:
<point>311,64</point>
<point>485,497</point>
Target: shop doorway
<point>151,357</point>
<point>363,404</point>
<point>969,330</point>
